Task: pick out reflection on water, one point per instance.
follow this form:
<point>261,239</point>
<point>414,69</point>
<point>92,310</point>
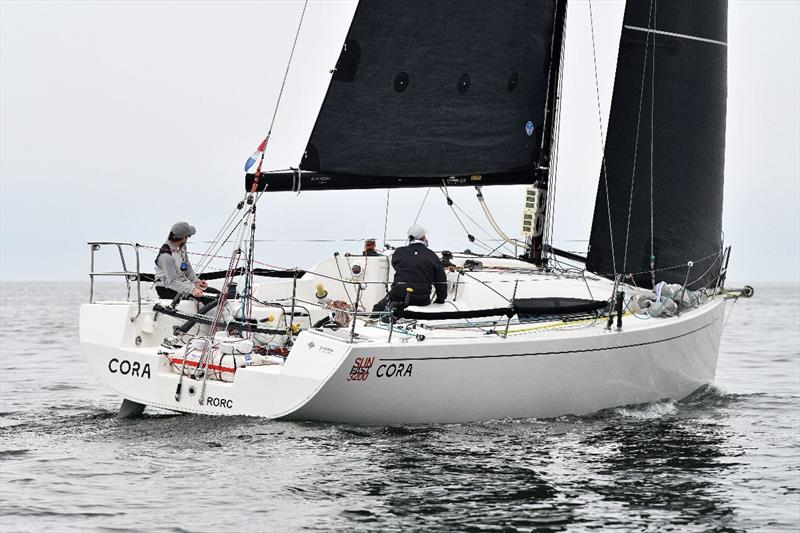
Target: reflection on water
<point>665,466</point>
<point>717,461</point>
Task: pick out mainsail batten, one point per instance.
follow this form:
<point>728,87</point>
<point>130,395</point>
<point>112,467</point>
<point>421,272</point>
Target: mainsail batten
<point>680,83</point>
<point>427,91</point>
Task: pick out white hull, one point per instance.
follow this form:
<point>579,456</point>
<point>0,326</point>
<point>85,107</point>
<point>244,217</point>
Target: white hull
<point>556,371</point>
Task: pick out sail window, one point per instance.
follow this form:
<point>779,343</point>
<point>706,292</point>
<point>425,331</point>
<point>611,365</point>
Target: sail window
<point>401,82</point>
<point>463,83</point>
<point>513,81</point>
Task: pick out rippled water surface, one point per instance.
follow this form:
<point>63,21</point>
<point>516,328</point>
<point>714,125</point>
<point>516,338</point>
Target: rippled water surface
<point>726,459</point>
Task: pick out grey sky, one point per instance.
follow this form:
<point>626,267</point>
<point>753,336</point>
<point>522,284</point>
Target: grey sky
<point>118,118</point>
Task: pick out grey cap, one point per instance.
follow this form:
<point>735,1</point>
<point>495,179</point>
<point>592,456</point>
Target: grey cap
<point>182,229</point>
<point>417,232</point>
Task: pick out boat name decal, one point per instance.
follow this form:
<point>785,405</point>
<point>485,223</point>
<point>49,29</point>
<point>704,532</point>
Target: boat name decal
<point>399,370</point>
<point>323,349</point>
<point>360,370</point>
<point>126,368</point>
<point>214,401</point>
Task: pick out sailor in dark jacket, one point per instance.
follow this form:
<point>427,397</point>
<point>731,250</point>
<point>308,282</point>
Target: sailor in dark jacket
<point>418,268</point>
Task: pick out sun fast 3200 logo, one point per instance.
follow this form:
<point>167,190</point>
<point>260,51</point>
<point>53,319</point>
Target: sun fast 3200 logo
<point>360,370</point>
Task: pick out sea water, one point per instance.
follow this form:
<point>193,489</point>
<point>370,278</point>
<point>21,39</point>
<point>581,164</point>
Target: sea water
<point>725,459</point>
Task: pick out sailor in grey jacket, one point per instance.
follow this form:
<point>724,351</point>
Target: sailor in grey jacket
<point>174,272</point>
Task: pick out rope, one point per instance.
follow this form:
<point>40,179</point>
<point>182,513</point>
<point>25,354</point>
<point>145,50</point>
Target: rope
<point>486,284</point>
<point>206,357</point>
<point>493,222</point>
<point>588,322</point>
<point>602,140</point>
<point>636,144</point>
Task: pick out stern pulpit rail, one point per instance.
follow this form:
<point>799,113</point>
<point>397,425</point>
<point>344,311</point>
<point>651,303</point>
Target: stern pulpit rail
<point>128,275</point>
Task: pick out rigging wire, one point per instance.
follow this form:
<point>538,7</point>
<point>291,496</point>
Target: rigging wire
<point>470,236</point>
<point>652,133</point>
<point>386,218</point>
<point>463,212</point>
<point>636,143</point>
<point>215,247</point>
<point>717,258</point>
<point>341,277</point>
<point>288,64</point>
<point>492,238</point>
<point>602,140</point>
<point>725,324</point>
<point>422,205</point>
<point>222,229</point>
<point>504,240</point>
<point>673,267</point>
<point>262,148</point>
<point>247,303</point>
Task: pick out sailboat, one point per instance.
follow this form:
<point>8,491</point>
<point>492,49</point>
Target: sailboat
<point>456,94</point>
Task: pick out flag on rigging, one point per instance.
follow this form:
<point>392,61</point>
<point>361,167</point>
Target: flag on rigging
<point>257,156</point>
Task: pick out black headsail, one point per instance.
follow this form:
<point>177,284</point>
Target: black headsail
<point>432,91</point>
<point>667,127</point>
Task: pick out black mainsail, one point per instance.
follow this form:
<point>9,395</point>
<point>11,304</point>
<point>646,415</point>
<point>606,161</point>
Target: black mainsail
<point>425,93</point>
<point>666,129</point>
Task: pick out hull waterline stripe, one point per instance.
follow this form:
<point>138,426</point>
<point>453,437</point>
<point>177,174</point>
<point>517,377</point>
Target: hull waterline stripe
<point>679,35</point>
<point>546,353</point>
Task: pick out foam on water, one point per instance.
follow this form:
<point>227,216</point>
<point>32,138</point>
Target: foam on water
<point>648,411</point>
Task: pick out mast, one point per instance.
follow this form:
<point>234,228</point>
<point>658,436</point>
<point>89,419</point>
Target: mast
<point>545,169</point>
